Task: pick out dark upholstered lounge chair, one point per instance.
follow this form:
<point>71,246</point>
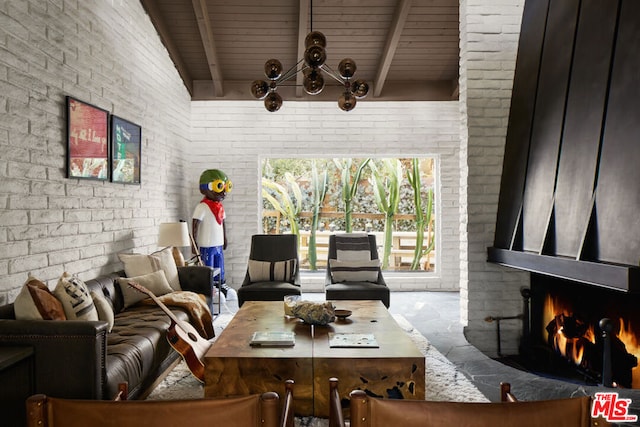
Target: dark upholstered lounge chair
<point>355,290</point>
<point>275,252</point>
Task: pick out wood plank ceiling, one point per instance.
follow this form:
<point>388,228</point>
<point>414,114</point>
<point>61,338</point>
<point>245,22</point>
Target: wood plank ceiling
<point>404,49</point>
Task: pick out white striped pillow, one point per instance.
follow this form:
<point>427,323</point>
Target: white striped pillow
<point>354,271</point>
<point>272,271</point>
<point>74,296</point>
<point>352,247</point>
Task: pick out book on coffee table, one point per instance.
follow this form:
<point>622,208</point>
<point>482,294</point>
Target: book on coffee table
<point>273,339</point>
<point>337,340</point>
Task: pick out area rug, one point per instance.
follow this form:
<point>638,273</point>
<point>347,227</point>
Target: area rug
<point>443,381</point>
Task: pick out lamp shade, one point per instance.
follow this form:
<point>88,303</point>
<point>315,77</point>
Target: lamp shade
<point>313,81</point>
<point>347,68</point>
<point>259,89</point>
<point>347,101</point>
<point>174,234</point>
<point>273,69</point>
<point>273,102</point>
<point>360,88</point>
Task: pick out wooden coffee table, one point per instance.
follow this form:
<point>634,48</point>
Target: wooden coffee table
<point>233,367</point>
<point>395,369</point>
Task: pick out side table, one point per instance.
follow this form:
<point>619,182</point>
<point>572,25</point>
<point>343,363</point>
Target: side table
<point>16,383</point>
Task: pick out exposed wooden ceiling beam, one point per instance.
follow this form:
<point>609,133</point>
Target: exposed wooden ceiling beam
<point>456,90</point>
<point>151,7</point>
<point>393,37</point>
<point>204,25</point>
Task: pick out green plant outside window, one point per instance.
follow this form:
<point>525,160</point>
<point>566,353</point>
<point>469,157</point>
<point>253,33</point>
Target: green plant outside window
<point>393,198</point>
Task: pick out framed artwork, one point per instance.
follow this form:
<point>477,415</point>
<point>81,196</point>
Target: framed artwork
<point>126,150</point>
<point>87,140</point>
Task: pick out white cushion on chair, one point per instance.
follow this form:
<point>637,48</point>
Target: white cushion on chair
<point>354,271</point>
<point>272,271</point>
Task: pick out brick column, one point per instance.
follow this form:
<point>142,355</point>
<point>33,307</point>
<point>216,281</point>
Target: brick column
<point>489,31</point>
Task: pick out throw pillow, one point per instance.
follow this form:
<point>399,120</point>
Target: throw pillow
<point>155,282</point>
<point>272,271</point>
<point>352,247</point>
<point>104,308</point>
<point>74,296</point>
<point>139,265</point>
<point>354,271</point>
<point>36,302</point>
<point>168,265</point>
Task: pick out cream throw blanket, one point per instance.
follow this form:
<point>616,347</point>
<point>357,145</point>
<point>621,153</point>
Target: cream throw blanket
<point>194,304</point>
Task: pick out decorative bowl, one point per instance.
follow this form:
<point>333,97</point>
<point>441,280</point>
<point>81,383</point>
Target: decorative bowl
<point>342,314</point>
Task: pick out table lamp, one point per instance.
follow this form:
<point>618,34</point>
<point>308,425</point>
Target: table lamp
<point>175,234</point>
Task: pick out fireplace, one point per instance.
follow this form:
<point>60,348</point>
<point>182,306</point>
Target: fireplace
<point>565,336</point>
<point>569,200</point>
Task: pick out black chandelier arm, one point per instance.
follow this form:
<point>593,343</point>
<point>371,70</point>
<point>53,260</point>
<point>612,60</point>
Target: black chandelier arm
<point>290,73</point>
<point>283,84</point>
<point>311,65</point>
<point>333,74</point>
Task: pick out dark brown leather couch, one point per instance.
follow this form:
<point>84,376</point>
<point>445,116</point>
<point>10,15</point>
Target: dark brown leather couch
<point>79,359</point>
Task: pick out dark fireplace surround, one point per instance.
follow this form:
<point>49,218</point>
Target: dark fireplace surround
<point>569,206</point>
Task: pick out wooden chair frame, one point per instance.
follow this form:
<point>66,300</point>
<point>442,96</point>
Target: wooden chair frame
<point>336,418</point>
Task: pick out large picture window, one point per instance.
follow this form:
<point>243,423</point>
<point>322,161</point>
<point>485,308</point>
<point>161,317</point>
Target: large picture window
<point>393,198</point>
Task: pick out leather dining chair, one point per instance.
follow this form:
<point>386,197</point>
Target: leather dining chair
<point>257,410</point>
<point>366,411</point>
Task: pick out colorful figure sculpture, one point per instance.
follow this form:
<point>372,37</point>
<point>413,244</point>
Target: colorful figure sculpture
<point>208,224</point>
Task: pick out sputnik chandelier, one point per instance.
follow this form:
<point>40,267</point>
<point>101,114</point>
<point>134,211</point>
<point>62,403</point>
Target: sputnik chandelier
<point>313,67</point>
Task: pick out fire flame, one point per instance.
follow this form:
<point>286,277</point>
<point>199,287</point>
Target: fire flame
<point>571,348</point>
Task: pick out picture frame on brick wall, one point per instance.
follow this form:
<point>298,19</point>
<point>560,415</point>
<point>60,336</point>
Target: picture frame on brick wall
<point>126,151</point>
<point>87,140</point>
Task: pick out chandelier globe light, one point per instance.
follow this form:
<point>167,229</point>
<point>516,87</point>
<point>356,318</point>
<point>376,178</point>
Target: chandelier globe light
<point>313,67</point>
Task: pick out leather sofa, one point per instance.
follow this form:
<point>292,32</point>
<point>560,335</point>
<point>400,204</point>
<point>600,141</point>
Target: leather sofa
<point>82,360</point>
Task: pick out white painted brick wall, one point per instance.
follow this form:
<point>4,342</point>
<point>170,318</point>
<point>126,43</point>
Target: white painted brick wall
<point>105,52</point>
<point>489,31</point>
<point>236,136</point>
<point>108,53</point>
